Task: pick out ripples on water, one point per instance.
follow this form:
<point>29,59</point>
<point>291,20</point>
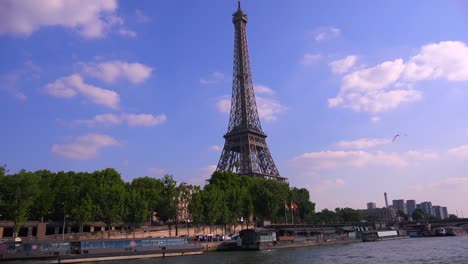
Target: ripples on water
<point>413,250</point>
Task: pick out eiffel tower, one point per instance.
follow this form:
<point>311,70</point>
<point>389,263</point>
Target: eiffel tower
<point>245,150</point>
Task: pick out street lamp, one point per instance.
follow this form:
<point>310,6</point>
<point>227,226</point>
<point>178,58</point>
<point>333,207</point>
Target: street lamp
<point>64,216</point>
<point>63,228</point>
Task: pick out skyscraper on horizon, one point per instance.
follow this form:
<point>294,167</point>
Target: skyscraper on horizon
<point>386,200</point>
<point>245,151</point>
<point>400,205</point>
<point>410,206</point>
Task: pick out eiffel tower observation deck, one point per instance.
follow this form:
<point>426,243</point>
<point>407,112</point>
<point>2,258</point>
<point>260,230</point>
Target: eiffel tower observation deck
<point>245,150</point>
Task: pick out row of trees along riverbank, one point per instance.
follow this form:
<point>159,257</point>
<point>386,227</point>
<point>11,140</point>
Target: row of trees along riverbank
<point>104,196</point>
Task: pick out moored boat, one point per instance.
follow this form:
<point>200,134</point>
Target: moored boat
<point>98,250</point>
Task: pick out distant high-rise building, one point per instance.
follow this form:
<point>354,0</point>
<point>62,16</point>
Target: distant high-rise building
<point>371,206</point>
<point>386,200</point>
<point>445,212</point>
<point>426,207</point>
<point>410,206</point>
<point>399,205</point>
<point>437,209</point>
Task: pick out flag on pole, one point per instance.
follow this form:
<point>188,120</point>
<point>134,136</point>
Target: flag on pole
<point>293,206</point>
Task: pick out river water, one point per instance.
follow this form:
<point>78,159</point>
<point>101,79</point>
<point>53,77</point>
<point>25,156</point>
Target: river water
<point>412,250</point>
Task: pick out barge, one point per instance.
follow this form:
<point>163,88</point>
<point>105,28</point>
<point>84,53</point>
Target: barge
<point>79,251</point>
<point>290,236</point>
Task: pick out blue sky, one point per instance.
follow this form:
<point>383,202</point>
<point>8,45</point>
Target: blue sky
<point>144,87</point>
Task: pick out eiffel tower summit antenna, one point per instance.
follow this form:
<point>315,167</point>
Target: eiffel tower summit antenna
<point>245,150</point>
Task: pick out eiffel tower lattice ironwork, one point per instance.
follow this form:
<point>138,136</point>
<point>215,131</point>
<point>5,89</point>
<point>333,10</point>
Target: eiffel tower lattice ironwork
<point>245,150</point>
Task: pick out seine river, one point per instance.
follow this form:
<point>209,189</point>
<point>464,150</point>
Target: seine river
<point>412,250</point>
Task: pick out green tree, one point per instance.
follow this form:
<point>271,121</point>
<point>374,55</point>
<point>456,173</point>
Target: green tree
<point>328,217</point>
<point>452,217</point>
<point>151,191</point>
<point>418,215</point>
<point>306,209</point>
<point>110,196</point>
<point>135,210</point>
<point>197,209</point>
<point>19,192</point>
<point>46,197</point>
<point>349,215</point>
<point>83,211</point>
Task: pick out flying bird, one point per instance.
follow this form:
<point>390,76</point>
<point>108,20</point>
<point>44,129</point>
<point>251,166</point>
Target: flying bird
<point>397,135</point>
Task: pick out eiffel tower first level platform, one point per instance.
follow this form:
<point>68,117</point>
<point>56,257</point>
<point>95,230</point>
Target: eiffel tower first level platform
<point>245,149</point>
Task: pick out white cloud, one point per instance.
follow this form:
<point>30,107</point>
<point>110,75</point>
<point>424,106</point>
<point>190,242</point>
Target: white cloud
<point>359,159</point>
<point>112,71</point>
<point>375,119</point>
<point>262,89</point>
<point>451,181</point>
<point>216,148</point>
<point>374,78</point>
<point>156,172</point>
<point>444,60</point>
<point>144,119</point>
<point>70,86</point>
<point>84,147</point>
<point>422,155</point>
<point>132,120</point>
<point>127,33</point>
<point>268,109</point>
<point>375,101</point>
<point>92,19</point>
<point>389,84</point>
<point>343,65</point>
<point>363,143</point>
<point>224,104</point>
<point>460,151</point>
<point>216,77</point>
<point>202,175</point>
<point>310,58</point>
<point>326,33</point>
<point>141,17</point>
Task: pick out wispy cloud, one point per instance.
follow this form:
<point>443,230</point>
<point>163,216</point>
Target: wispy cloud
<point>141,17</point>
<point>262,89</point>
<point>343,65</point>
<point>133,120</point>
<point>268,109</point>
<point>11,81</point>
<point>460,151</point>
<point>310,58</point>
<point>156,172</point>
<point>216,148</point>
<point>127,33</point>
<point>84,147</point>
<point>215,77</point>
<point>112,71</point>
<point>70,86</point>
<point>363,143</point>
<point>326,33</point>
<point>329,159</point>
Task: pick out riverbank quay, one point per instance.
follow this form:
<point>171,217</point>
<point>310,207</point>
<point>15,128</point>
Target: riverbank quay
<point>78,251</point>
<point>37,231</point>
